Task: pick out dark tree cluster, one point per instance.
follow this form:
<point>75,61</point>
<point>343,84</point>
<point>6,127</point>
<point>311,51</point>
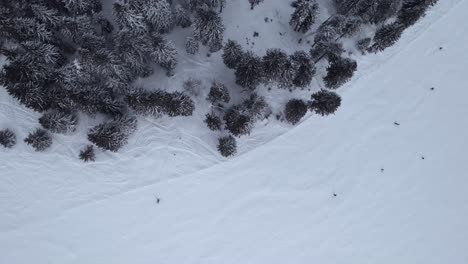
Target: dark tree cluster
<point>218,94</point>
<point>409,13</point>
<point>288,71</point>
<point>65,56</point>
<point>375,11</point>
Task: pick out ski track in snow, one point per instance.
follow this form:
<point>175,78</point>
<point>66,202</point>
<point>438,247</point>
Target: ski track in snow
<point>273,204</point>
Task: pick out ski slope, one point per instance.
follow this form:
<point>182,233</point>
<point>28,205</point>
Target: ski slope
<point>400,189</point>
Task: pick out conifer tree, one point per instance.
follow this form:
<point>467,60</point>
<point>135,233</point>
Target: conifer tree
<point>129,18</point>
<point>304,69</point>
<point>304,15</point>
<point>237,122</point>
<point>39,139</point>
<point>256,107</point>
<point>376,11</point>
<point>295,110</point>
<point>112,135</point>
<point>339,72</point>
<point>158,15</point>
<point>191,45</point>
<point>232,54</point>
<point>386,36</point>
<point>209,29</point>
<point>182,17</point>
<point>7,138</point>
<point>164,53</point>
<point>218,93</point>
<point>326,49</point>
<point>325,102</point>
<point>227,146</point>
<point>59,121</point>
<point>412,10</point>
<point>274,63</point>
<point>213,122</point>
<point>249,72</point>
<point>87,154</point>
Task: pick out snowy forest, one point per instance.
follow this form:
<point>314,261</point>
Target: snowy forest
<point>69,58</point>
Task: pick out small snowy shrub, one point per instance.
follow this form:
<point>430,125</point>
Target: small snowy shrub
<point>87,154</point>
<point>7,138</point>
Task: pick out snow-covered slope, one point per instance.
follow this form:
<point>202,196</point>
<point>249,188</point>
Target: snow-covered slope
<point>400,189</point>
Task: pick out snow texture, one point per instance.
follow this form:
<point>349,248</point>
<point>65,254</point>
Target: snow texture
<point>348,188</point>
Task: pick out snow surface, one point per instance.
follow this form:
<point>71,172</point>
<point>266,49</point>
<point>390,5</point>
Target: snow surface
<point>401,190</point>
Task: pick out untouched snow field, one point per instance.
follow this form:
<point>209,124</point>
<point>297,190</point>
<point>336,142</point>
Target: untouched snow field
<point>401,190</point>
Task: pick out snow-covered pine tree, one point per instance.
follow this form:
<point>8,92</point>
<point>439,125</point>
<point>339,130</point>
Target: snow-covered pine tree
<point>193,86</point>
<point>59,121</point>
<point>156,103</point>
<point>326,49</point>
<point>304,69</point>
<point>254,3</point>
<point>7,138</point>
<point>39,139</point>
<point>237,122</point>
<point>129,18</point>
<point>256,107</point>
<point>192,45</point>
<point>274,63</point>
<point>133,48</point>
<point>325,102</point>
<point>386,36</point>
<point>249,71</point>
<point>178,104</point>
<point>376,11</point>
<point>87,154</point>
<point>232,54</point>
<point>227,146</point>
<point>218,93</point>
<point>81,7</point>
<point>412,10</point>
<point>304,15</point>
<point>113,134</point>
<point>158,14</point>
<point>295,110</point>
<point>213,122</point>
<point>182,17</point>
<point>164,53</point>
<point>209,29</point>
<point>339,72</point>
